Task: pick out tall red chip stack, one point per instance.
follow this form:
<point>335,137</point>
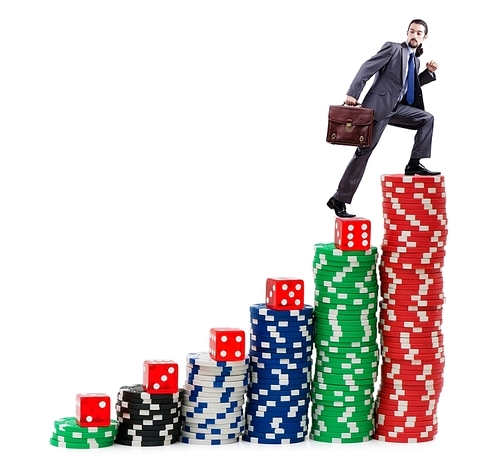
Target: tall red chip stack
<point>411,308</point>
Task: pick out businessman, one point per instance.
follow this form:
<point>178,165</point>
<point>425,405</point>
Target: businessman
<point>396,97</point>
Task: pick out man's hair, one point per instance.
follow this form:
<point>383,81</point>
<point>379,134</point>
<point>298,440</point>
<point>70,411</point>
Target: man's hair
<point>421,22</point>
<point>420,50</point>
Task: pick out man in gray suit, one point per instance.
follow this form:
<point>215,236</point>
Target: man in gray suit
<point>396,97</point>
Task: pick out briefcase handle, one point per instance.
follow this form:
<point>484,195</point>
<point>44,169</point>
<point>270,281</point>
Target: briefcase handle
<point>347,105</point>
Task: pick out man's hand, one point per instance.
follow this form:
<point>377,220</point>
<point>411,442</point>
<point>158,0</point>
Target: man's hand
<point>350,100</point>
<point>432,66</point>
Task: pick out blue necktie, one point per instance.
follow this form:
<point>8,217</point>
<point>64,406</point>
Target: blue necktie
<point>411,80</point>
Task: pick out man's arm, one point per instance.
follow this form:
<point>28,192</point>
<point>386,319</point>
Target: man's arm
<point>428,75</point>
<point>367,70</point>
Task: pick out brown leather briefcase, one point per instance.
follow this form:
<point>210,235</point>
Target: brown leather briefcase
<point>350,125</point>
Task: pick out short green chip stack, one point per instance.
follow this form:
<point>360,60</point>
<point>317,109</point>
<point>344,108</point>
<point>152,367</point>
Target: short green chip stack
<point>345,339</point>
<point>68,434</point>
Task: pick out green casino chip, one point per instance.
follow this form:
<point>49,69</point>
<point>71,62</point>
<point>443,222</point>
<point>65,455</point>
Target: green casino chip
<point>348,326</point>
<point>362,410</point>
<point>357,349</point>
<point>330,349</point>
<point>332,425</point>
<point>335,367</point>
<point>366,281</point>
<point>344,340</point>
<point>358,288</point>
<point>353,276</point>
<point>345,320</point>
<point>84,444</point>
<point>354,433</point>
<point>345,276</point>
<point>333,392</point>
<point>346,267</point>
<point>69,425</point>
<point>75,436</point>
<point>348,413</point>
<point>342,311</point>
<point>331,250</point>
<point>347,377</point>
<point>362,407</point>
<point>318,436</point>
<point>365,409</point>
<point>361,301</point>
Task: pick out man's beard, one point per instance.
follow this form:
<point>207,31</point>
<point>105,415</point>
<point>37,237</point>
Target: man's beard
<point>413,43</point>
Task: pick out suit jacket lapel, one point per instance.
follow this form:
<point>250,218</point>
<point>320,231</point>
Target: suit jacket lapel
<point>404,63</point>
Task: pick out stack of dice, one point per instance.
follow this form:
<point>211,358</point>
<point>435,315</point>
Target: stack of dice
<point>281,338</point>
<point>149,414</point>
<point>411,308</point>
<point>91,428</point>
<point>214,390</point>
<point>345,335</point>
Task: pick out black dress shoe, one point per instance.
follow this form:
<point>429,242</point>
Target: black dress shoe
<point>339,208</point>
<point>419,170</point>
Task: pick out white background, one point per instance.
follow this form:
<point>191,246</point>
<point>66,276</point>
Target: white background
<point>160,159</point>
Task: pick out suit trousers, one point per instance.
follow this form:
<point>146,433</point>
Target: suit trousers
<point>402,116</point>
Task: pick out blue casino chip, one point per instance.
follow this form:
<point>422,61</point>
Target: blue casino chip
<point>262,310</point>
<point>194,441</point>
<point>250,437</point>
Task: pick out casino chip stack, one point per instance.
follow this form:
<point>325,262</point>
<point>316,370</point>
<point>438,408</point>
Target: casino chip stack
<point>147,420</point>
<point>411,308</point>
<point>278,395</point>
<point>345,341</point>
<point>68,434</point>
<point>212,404</point>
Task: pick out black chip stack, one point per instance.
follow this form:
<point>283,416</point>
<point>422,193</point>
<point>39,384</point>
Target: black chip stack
<point>147,420</point>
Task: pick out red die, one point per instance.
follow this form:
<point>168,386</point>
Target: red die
<point>160,376</point>
<point>284,294</point>
<point>352,234</point>
<point>227,344</point>
<point>93,410</point>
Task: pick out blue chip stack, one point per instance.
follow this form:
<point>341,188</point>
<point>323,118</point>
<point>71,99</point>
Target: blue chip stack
<point>278,392</point>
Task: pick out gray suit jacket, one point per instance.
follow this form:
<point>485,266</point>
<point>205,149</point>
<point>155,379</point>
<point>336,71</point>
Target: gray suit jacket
<point>389,67</point>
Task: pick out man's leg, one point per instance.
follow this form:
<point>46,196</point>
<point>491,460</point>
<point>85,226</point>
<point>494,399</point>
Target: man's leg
<point>423,122</point>
<point>414,118</point>
<point>356,167</point>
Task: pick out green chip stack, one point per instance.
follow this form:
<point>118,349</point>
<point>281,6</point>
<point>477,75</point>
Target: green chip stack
<point>345,342</point>
<point>68,434</point>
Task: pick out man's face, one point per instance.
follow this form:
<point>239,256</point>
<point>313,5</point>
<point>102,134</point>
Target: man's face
<point>416,35</point>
